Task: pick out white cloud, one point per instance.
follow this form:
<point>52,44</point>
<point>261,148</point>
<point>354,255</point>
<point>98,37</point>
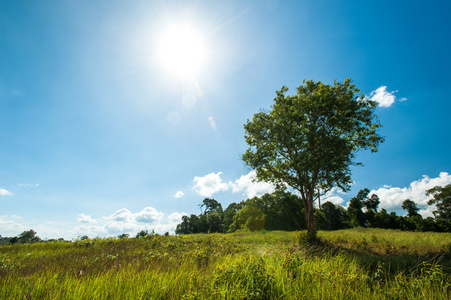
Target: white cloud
<point>122,214</point>
<point>383,97</point>
<point>148,215</point>
<point>332,196</point>
<point>209,184</point>
<point>82,218</point>
<point>392,197</point>
<point>5,193</point>
<point>176,217</point>
<point>124,221</point>
<point>120,221</point>
<point>249,185</point>
<point>179,194</point>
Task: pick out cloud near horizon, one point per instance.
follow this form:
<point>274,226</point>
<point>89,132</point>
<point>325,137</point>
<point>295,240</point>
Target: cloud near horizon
<point>82,218</point>
<point>10,224</point>
<point>124,221</point>
<point>392,197</point>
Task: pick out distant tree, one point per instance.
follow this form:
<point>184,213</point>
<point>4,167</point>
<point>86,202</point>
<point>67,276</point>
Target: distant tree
<point>322,223</point>
<point>211,206</point>
<point>195,224</point>
<point>251,218</point>
<point>411,208</point>
<point>389,221</point>
<point>214,222</point>
<point>382,219</point>
<point>309,140</point>
<point>28,236</point>
<point>429,224</point>
<point>123,236</point>
<point>355,208</point>
<point>406,223</point>
<point>142,234</point>
<point>393,219</point>
<point>229,216</point>
<point>211,219</point>
<point>371,205</point>
<point>184,227</point>
<point>282,209</point>
<point>202,224</point>
<point>336,214</point>
<point>442,200</point>
<point>290,212</point>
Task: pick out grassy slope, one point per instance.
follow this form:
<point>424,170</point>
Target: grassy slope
<point>351,264</point>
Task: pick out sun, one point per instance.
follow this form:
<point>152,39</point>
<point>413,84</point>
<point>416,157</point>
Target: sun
<point>181,50</point>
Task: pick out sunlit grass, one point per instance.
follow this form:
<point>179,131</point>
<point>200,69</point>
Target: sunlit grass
<point>349,264</point>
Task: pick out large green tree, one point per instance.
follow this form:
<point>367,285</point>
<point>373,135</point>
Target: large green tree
<point>309,140</point>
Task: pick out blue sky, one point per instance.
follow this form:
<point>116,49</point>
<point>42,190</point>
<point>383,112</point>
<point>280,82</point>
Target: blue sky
<point>99,135</point>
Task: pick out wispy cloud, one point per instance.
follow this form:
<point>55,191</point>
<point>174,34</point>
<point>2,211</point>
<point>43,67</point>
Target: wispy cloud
<point>383,97</point>
<point>9,224</point>
<point>179,194</point>
<point>5,193</point>
<point>30,185</point>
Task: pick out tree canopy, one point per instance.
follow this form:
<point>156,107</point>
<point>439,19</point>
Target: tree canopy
<point>411,207</point>
<point>309,140</point>
<point>442,200</point>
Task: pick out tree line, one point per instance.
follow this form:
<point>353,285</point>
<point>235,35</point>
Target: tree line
<point>30,236</point>
<point>283,210</point>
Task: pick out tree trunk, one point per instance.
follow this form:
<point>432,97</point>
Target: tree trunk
<point>309,217</point>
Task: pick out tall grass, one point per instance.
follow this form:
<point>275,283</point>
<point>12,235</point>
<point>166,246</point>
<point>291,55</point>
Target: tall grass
<point>349,264</point>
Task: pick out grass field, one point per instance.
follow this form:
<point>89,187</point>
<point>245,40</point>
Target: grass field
<point>348,264</point>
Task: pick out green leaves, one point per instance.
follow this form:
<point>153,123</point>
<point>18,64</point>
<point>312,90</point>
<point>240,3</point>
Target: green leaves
<point>310,139</point>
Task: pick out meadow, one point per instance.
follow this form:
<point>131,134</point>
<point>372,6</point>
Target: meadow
<point>346,264</point>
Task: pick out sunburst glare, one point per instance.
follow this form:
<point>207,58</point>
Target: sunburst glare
<point>181,50</point>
